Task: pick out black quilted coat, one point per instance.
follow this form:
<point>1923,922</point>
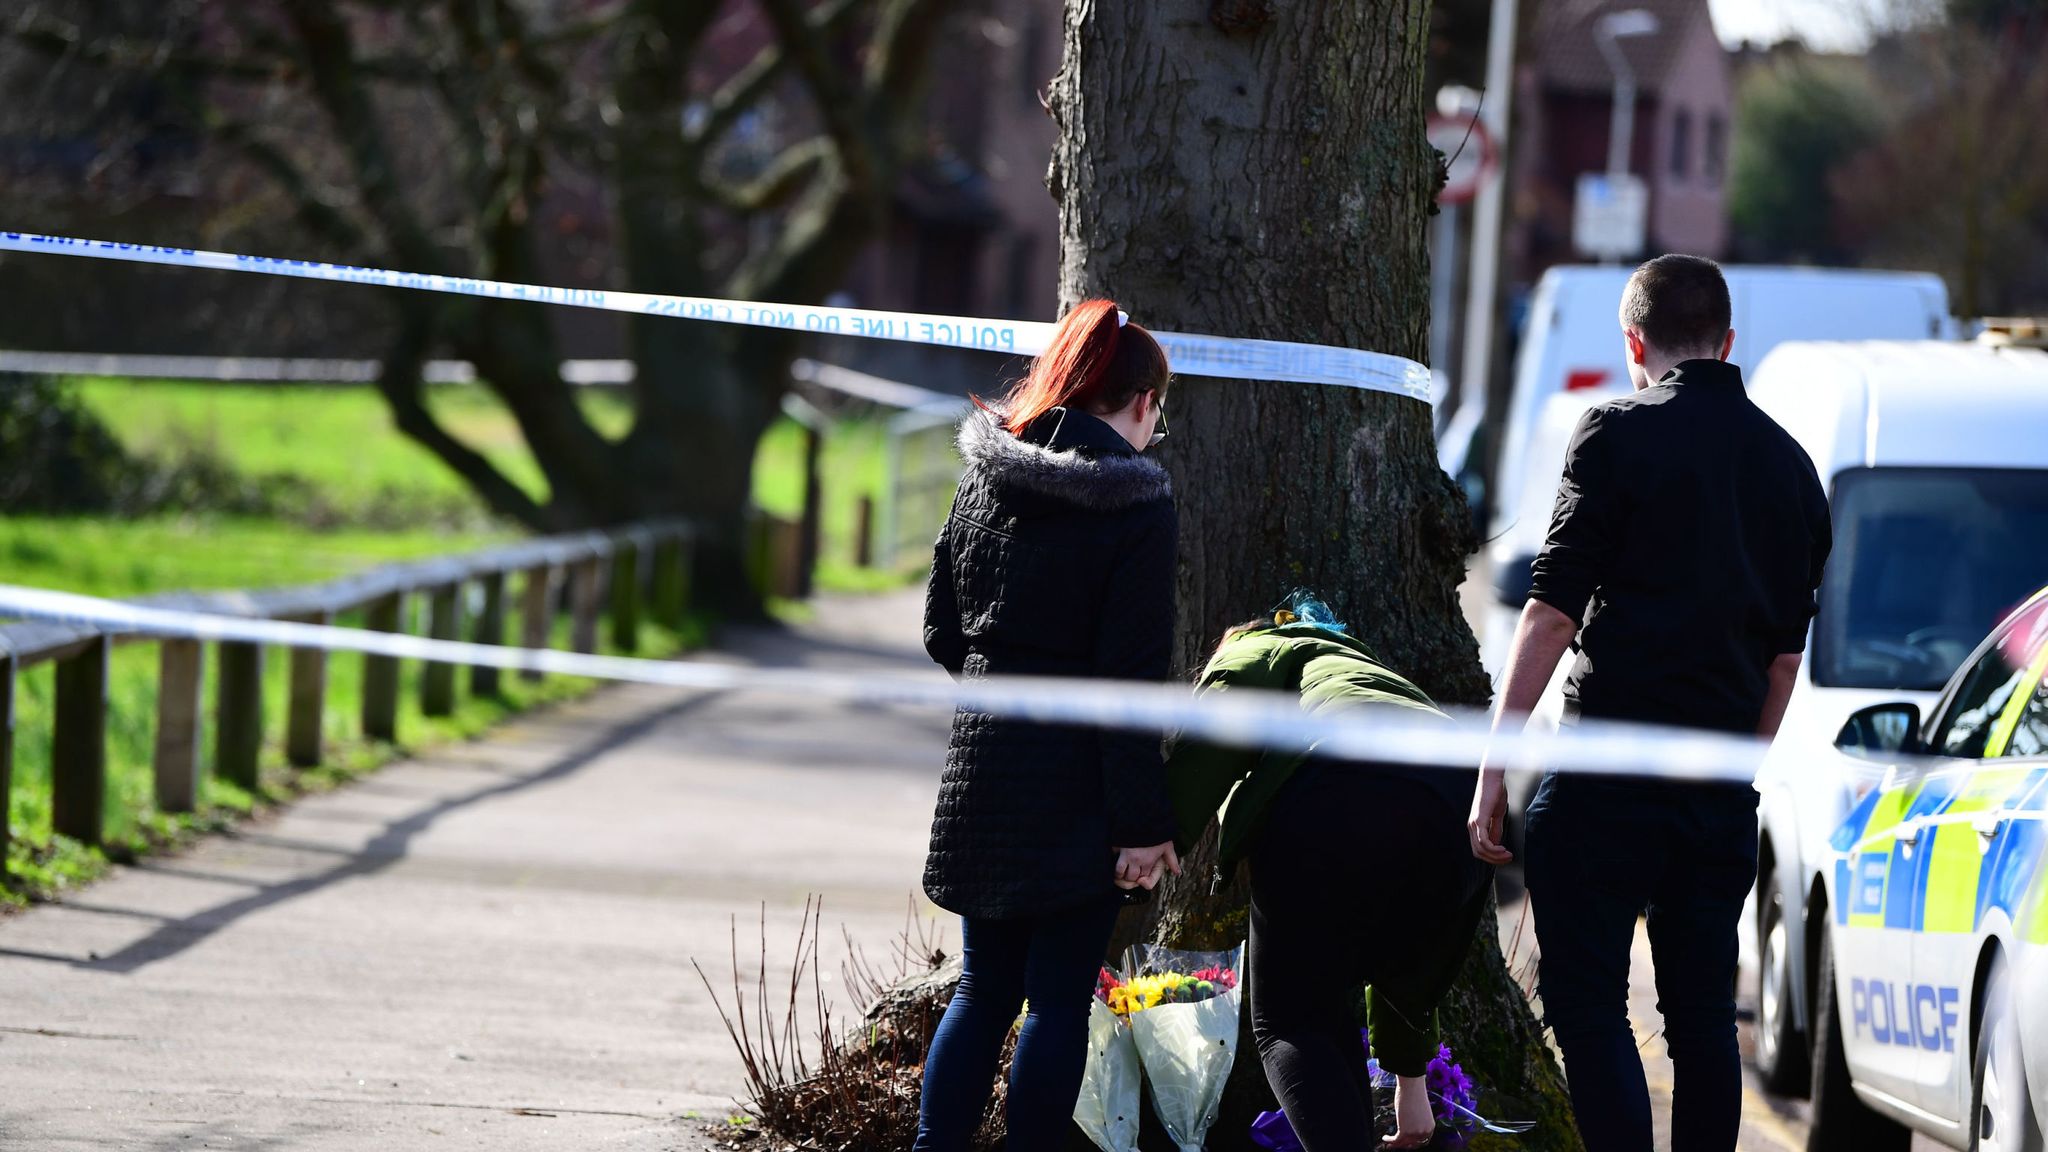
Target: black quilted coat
<point>1057,560</point>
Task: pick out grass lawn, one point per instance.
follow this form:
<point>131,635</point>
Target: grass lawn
<point>121,558</point>
<point>341,440</point>
<point>339,443</point>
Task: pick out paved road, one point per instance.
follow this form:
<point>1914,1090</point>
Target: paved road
<point>487,947</point>
<point>1769,1123</point>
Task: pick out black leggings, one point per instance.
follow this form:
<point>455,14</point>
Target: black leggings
<point>1360,877</point>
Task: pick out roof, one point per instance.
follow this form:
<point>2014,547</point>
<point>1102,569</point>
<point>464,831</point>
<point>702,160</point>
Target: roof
<point>1567,53</point>
<point>1946,368</point>
<point>1910,403</point>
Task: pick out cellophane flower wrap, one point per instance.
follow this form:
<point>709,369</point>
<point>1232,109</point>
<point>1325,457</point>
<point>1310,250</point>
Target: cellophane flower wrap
<point>1108,1107</point>
<point>1183,1009</point>
<point>1452,1097</point>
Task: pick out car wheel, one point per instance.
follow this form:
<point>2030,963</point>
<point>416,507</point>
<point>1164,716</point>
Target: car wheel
<point>2001,1116</point>
<point>1783,1059</point>
<point>1840,1119</point>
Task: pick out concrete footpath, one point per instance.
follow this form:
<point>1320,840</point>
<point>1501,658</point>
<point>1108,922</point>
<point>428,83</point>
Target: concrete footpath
<point>488,946</point>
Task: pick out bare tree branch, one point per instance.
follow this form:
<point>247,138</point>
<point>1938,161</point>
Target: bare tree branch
<point>399,381</point>
<point>55,37</point>
<point>900,60</point>
<point>813,250</point>
<point>838,102</point>
<point>330,61</point>
<point>589,27</point>
<point>324,220</point>
<point>752,82</point>
<point>802,261</point>
<point>787,176</point>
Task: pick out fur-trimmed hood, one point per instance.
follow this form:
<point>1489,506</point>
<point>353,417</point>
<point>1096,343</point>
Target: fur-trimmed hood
<point>1066,454</point>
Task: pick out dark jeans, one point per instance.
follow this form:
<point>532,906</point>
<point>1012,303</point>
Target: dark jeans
<point>1359,878</point>
<point>1601,853</point>
<point>1052,961</point>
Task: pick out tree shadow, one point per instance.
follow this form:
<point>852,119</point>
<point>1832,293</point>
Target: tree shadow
<point>176,935</point>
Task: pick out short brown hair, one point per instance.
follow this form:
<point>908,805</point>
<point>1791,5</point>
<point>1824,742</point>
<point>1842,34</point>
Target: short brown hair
<point>1679,304</point>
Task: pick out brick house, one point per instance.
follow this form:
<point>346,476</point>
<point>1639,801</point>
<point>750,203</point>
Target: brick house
<point>1683,125</point>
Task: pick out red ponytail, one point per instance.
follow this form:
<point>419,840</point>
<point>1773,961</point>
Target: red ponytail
<point>1093,363</point>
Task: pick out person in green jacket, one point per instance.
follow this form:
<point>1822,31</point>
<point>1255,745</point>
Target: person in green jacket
<point>1360,874</point>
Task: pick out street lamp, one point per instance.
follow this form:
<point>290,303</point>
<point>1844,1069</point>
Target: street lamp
<point>1609,32</point>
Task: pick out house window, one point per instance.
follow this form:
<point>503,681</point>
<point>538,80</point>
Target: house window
<point>1717,147</point>
<point>1681,144</point>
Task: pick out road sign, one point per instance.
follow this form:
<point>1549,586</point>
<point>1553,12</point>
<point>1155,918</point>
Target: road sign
<point>1609,214</point>
<point>1468,146</point>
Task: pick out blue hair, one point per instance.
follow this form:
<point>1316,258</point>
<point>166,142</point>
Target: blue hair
<point>1307,608</point>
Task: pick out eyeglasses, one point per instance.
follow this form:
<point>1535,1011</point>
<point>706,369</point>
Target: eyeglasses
<point>1159,430</point>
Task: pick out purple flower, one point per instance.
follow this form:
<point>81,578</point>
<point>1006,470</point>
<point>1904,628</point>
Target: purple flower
<point>1271,1130</point>
<point>1454,1094</point>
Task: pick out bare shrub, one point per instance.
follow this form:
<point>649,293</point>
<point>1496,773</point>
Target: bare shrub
<point>840,1089</point>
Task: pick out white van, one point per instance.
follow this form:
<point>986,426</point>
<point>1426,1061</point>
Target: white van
<point>1935,457</point>
<point>1573,349</point>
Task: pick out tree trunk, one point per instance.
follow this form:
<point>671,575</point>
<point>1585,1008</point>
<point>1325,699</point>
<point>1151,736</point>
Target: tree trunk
<point>1260,170</point>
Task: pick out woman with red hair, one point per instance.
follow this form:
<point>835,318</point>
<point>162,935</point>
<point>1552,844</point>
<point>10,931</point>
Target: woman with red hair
<point>1057,560</point>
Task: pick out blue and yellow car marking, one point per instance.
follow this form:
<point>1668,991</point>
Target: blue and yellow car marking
<point>1952,874</point>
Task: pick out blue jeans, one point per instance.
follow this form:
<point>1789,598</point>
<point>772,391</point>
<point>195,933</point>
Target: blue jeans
<point>1050,960</point>
<point>1601,853</point>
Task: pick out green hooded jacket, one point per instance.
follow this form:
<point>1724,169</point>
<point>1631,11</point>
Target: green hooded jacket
<point>1329,671</point>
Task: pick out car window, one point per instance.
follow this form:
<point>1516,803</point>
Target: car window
<point>2030,734</point>
<point>1926,561</point>
<point>1987,687</point>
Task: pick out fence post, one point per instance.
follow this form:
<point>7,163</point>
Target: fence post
<point>759,543</point>
<point>625,611</point>
<point>444,622</point>
<point>78,761</point>
<point>180,678</point>
<point>812,517</point>
<point>380,673</point>
<point>238,713</point>
<point>490,629</point>
<point>864,532</point>
<point>537,613</point>
<point>786,576</point>
<point>6,754</point>
<point>305,714</point>
<point>671,582</point>
<point>585,591</point>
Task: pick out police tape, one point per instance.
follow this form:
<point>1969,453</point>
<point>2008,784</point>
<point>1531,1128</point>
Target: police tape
<point>1192,355</point>
<point>1263,720</point>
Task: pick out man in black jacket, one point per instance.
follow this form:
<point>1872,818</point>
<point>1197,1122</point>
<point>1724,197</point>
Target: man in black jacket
<point>1683,555</point>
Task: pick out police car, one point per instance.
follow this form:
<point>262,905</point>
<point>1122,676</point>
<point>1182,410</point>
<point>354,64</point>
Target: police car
<point>1933,951</point>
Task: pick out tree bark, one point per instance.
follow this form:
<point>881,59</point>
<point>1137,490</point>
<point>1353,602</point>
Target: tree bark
<point>1260,170</point>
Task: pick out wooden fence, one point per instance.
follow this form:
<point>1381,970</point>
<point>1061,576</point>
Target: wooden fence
<point>611,576</point>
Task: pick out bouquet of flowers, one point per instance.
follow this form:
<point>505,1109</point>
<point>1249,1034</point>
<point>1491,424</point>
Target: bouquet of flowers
<point>1174,1014</point>
<point>1124,997</point>
<point>1451,1091</point>
<point>1107,1109</point>
<point>1184,1018</point>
